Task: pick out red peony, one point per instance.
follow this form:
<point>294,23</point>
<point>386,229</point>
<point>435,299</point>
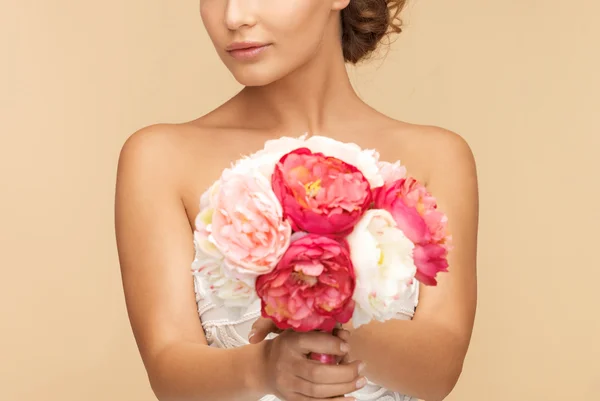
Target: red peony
<point>311,288</point>
<point>320,194</point>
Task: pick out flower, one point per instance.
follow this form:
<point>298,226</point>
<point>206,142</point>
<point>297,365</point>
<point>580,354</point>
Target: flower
<point>391,172</point>
<point>208,261</point>
<point>382,257</point>
<point>311,287</point>
<point>247,224</point>
<point>415,212</point>
<point>239,233</point>
<point>365,160</point>
<point>225,289</point>
<point>320,194</point>
<point>203,221</point>
<point>264,160</point>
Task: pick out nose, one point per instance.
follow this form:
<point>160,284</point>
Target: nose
<point>239,13</point>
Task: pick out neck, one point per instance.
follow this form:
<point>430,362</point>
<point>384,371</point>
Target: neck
<point>313,98</point>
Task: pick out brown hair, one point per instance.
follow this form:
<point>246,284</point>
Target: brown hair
<point>365,23</point>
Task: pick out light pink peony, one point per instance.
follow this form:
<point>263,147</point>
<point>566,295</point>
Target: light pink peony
<point>311,288</point>
<point>320,194</point>
<point>214,280</point>
<point>415,211</point>
<point>247,225</point>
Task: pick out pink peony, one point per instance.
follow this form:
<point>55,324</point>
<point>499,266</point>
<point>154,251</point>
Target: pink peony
<point>415,211</point>
<point>247,225</point>
<point>320,194</point>
<point>311,288</point>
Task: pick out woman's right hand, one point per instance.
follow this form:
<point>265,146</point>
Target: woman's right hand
<point>291,376</point>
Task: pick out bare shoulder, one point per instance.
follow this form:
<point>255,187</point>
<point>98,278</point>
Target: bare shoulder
<point>450,163</point>
<point>153,146</point>
<point>181,160</point>
<point>435,153</point>
<point>150,147</point>
<point>170,152</point>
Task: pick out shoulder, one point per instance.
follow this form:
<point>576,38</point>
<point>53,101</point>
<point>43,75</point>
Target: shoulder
<point>438,153</point>
<point>174,160</point>
<point>148,142</point>
<point>449,170</point>
<point>152,143</point>
<point>165,146</point>
<point>157,155</point>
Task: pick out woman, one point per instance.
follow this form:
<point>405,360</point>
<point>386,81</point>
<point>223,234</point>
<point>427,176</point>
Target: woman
<point>290,56</point>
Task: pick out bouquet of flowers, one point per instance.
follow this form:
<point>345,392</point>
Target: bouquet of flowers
<point>321,231</point>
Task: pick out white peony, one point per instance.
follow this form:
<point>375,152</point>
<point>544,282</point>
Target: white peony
<point>218,285</point>
<point>391,172</point>
<point>265,159</point>
<point>385,270</point>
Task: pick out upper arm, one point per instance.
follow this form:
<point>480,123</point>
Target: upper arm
<point>155,246</point>
<point>453,182</point>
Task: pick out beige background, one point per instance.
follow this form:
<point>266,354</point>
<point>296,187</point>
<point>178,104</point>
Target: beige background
<point>517,78</point>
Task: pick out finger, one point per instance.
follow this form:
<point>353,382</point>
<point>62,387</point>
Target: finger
<point>320,391</point>
<point>344,335</point>
<point>320,373</point>
<point>345,360</point>
<point>321,343</point>
<point>261,329</point>
<point>301,397</point>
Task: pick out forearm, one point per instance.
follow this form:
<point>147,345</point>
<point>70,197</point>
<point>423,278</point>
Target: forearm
<point>416,358</point>
<point>196,372</point>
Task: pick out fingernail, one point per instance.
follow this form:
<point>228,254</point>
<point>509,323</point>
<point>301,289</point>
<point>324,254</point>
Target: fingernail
<point>360,383</point>
<point>345,347</point>
<point>251,334</point>
<point>361,367</point>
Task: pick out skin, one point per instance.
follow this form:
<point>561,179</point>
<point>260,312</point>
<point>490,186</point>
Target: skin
<point>298,85</point>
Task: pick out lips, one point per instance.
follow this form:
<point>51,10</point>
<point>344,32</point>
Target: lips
<point>244,46</point>
<point>246,50</point>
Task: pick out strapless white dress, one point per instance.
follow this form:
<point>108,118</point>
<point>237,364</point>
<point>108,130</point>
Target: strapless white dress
<point>229,328</point>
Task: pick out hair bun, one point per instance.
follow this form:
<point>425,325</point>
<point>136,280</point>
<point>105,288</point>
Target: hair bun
<point>365,23</point>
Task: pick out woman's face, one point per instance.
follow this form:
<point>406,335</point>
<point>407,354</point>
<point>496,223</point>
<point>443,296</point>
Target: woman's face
<point>261,41</point>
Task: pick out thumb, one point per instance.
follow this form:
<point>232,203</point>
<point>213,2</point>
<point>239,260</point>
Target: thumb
<point>260,329</point>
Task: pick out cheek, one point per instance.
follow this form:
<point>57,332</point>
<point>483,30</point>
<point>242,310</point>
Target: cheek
<point>297,22</point>
<point>210,13</point>
<point>291,13</point>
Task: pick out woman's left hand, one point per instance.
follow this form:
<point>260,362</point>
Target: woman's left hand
<point>262,327</point>
<point>344,335</point>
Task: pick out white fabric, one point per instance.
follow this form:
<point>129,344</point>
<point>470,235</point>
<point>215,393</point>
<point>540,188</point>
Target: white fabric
<point>229,328</point>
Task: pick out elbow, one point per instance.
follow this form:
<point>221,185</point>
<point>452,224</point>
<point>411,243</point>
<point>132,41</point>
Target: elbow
<point>446,383</point>
<point>160,389</point>
<point>159,392</point>
<point>165,392</point>
<point>160,379</point>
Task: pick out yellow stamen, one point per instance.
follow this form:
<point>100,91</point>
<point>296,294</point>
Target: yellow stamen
<point>310,280</point>
<point>312,188</point>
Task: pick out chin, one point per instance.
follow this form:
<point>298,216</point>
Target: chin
<point>259,74</point>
